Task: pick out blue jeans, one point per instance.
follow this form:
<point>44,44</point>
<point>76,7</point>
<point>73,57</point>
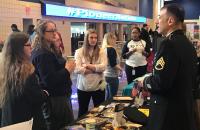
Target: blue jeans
<point>112,86</point>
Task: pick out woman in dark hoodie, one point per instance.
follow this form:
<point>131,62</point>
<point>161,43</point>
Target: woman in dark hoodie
<point>54,74</point>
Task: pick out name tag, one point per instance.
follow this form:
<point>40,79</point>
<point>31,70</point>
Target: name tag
<point>133,72</point>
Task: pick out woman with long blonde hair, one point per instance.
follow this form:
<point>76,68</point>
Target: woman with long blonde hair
<point>91,62</point>
<point>113,68</point>
<point>20,94</point>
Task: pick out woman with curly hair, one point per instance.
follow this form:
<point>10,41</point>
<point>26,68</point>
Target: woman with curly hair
<point>54,74</point>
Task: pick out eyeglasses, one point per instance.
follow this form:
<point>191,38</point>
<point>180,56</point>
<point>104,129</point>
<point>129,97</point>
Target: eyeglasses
<point>51,31</point>
<point>135,32</point>
<point>27,45</point>
<point>93,37</point>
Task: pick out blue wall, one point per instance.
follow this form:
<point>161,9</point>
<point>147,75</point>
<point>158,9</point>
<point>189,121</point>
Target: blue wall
<point>146,8</point>
<point>192,8</point>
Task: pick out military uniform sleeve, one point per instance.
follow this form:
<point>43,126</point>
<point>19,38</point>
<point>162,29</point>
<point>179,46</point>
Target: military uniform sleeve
<point>164,71</point>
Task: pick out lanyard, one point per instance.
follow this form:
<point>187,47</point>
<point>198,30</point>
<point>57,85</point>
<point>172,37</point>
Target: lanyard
<point>91,57</point>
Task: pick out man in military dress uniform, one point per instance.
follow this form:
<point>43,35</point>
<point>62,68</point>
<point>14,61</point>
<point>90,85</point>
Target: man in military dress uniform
<point>173,76</point>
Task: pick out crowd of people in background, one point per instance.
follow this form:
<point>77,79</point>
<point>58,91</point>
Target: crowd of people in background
<point>35,77</point>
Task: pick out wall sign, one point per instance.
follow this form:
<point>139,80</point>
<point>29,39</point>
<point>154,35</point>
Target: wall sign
<point>72,12</point>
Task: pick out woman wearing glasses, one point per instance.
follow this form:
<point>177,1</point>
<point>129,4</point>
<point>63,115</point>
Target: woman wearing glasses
<point>53,74</point>
<point>21,96</point>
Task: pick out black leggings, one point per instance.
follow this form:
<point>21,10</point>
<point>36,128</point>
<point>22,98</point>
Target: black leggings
<point>139,71</point>
<point>84,99</point>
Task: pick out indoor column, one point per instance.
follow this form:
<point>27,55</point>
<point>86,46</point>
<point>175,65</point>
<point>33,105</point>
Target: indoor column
<point>100,31</point>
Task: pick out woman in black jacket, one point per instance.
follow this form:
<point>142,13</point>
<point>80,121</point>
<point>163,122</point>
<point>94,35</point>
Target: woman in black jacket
<point>20,94</point>
<point>54,74</point>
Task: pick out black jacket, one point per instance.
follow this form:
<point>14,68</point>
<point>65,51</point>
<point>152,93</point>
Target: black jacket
<point>174,77</point>
<point>22,107</point>
<point>52,73</point>
<point>144,35</point>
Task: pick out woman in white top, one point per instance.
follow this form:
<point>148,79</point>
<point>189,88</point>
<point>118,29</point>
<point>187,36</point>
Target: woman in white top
<point>135,52</point>
<point>91,61</point>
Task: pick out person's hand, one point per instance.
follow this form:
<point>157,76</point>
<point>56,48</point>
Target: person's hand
<point>90,67</point>
<point>87,71</point>
<point>139,80</point>
<point>140,83</point>
<point>70,65</point>
<point>134,92</point>
<point>145,93</point>
<point>120,72</point>
<point>144,53</point>
<point>132,50</point>
<point>84,65</point>
<point>46,92</point>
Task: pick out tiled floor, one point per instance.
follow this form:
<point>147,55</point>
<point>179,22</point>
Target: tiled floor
<point>74,100</point>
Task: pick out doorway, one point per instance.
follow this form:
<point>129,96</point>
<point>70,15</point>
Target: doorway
<point>26,23</point>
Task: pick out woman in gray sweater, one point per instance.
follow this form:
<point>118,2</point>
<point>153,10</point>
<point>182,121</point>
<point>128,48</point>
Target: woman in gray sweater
<point>113,68</point>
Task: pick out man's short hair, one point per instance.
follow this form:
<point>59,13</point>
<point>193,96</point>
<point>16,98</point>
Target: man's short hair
<point>144,25</point>
<point>13,26</point>
<point>176,10</point>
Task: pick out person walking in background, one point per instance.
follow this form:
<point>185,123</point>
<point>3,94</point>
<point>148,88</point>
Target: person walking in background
<point>113,68</point>
<point>31,32</point>
<point>91,61</point>
<point>21,96</point>
<point>1,45</point>
<point>135,52</point>
<point>59,44</point>
<point>144,35</point>
<point>54,75</point>
<point>174,75</point>
<point>31,29</point>
<point>156,40</point>
<point>14,28</point>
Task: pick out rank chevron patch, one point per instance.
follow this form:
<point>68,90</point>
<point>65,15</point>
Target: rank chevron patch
<point>160,64</point>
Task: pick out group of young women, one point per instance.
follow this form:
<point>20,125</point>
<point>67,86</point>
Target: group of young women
<point>35,78</point>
